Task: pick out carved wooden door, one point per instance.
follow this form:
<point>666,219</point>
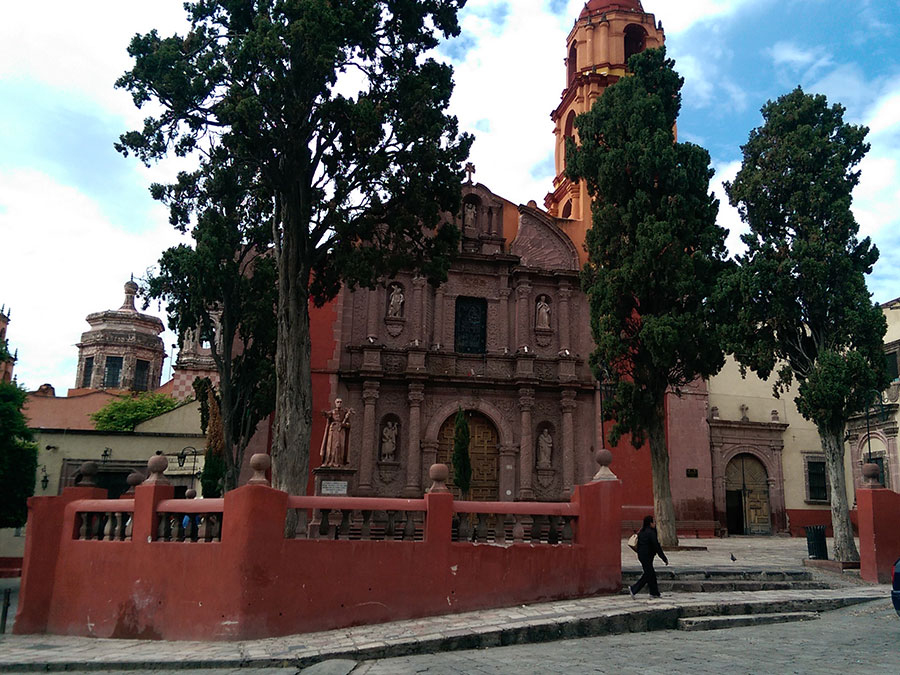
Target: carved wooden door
<point>747,475</point>
<point>483,441</point>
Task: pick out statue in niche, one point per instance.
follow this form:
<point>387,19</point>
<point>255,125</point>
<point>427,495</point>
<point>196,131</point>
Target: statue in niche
<point>395,304</point>
<point>389,441</point>
<point>469,214</point>
<point>545,449</point>
<point>337,435</point>
<point>542,313</point>
<point>187,340</point>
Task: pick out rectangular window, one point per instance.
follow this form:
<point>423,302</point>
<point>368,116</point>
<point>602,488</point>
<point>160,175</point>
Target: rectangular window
<point>141,375</point>
<point>88,372</point>
<point>113,374</point>
<point>891,362</point>
<point>471,326</point>
<point>818,484</point>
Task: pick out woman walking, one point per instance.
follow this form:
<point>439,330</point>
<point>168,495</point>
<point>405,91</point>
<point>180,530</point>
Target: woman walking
<point>648,548</point>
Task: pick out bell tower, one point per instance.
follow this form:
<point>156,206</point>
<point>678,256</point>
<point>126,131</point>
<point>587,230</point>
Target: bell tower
<point>605,35</point>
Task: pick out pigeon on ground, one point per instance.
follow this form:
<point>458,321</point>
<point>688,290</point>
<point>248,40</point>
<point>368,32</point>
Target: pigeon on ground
<point>733,558</point>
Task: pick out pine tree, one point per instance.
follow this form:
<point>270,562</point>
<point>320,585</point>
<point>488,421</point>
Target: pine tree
<point>18,457</point>
<point>654,255</point>
<point>802,307</point>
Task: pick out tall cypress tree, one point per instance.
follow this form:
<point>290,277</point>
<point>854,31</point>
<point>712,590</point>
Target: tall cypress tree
<point>803,309</point>
<point>18,457</point>
<point>654,255</point>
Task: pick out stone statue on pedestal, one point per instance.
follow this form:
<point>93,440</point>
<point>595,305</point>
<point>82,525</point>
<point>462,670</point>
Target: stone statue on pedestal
<point>337,435</point>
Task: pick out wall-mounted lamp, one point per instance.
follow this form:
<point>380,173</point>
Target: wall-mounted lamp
<point>182,458</point>
<point>45,479</point>
<point>105,455</point>
<point>51,447</point>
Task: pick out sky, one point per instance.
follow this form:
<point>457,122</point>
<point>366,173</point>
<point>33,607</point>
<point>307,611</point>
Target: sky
<point>77,220</point>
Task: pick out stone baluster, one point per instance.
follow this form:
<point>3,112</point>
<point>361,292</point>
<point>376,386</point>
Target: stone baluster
<point>568,406</point>
<point>526,446</point>
<point>565,337</point>
<point>523,314</point>
<point>413,487</point>
<point>369,438</point>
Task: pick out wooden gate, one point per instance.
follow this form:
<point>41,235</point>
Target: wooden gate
<point>746,476</point>
<point>483,442</point>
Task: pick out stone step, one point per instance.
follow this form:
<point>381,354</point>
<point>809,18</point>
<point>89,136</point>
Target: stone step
<point>736,621</point>
<point>739,585</point>
<point>664,574</point>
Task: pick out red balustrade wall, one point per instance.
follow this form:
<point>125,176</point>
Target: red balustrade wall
<point>254,583</point>
<point>879,536</point>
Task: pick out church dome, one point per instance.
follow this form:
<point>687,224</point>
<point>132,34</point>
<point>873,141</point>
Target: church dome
<point>596,6</point>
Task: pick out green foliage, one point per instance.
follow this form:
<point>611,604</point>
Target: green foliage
<point>126,412</point>
<point>18,457</point>
<point>462,463</point>
<point>212,478</point>
<point>802,309</point>
<point>654,249</point>
<point>353,186</point>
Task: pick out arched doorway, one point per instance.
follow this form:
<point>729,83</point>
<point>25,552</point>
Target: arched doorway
<point>483,443</point>
<point>747,496</point>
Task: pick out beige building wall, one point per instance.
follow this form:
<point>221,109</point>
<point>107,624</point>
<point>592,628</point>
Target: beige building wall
<point>728,392</point>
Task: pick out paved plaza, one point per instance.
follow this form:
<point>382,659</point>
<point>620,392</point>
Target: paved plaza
<point>444,644</point>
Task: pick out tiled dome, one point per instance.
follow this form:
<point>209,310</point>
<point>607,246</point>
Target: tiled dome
<point>595,6</point>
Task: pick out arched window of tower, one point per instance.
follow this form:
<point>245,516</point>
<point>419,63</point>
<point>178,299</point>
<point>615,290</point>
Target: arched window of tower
<point>573,62</point>
<point>569,132</point>
<point>635,40</point>
<point>567,210</point>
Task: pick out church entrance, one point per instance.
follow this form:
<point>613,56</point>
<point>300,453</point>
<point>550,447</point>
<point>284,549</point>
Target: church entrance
<point>747,496</point>
<point>483,442</point>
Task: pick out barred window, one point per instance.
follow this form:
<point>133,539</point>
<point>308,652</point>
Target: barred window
<point>471,325</point>
<point>141,375</point>
<point>88,372</point>
<point>817,479</point>
<point>113,374</point>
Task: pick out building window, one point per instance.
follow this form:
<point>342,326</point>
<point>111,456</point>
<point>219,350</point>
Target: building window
<point>88,372</point>
<point>635,41</point>
<point>471,325</point>
<point>891,363</point>
<point>879,461</point>
<point>113,374</point>
<point>816,480</point>
<point>141,375</point>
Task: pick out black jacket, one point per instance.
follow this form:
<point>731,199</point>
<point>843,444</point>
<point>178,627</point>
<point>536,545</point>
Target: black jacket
<point>648,545</point>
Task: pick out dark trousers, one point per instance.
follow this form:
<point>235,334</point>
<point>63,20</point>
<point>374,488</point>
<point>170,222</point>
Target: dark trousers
<point>648,578</point>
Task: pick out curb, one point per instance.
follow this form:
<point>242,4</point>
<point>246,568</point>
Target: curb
<point>589,617</point>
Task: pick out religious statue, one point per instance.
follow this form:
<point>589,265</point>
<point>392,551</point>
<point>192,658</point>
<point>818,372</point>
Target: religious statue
<point>187,341</point>
<point>389,441</point>
<point>395,306</point>
<point>469,211</point>
<point>337,435</point>
<point>545,448</point>
<point>542,315</point>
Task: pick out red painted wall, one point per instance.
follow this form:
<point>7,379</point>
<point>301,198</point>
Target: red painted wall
<point>255,583</point>
<point>879,534</point>
<point>801,518</point>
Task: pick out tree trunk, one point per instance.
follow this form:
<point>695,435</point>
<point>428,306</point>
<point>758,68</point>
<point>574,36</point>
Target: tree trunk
<point>844,543</point>
<point>293,398</point>
<point>663,508</point>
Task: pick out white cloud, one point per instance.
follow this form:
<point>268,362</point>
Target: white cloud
<point>728,215</point>
<point>810,60</point>
<point>69,261</point>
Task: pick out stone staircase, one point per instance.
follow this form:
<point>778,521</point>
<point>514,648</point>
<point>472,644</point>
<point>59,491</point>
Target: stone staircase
<point>729,580</point>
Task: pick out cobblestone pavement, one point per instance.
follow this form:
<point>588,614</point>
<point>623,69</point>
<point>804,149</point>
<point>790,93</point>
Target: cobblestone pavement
<point>859,640</point>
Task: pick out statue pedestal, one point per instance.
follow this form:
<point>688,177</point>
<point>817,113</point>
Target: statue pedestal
<point>333,481</point>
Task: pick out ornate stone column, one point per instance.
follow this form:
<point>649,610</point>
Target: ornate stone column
<point>439,317</point>
<point>568,406</point>
<point>369,438</point>
<point>523,314</point>
<point>418,319</point>
<point>604,43</point>
<point>526,445</point>
<point>504,314</point>
<point>565,294</point>
<point>413,487</point>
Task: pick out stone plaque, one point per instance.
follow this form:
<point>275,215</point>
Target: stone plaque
<point>333,488</point>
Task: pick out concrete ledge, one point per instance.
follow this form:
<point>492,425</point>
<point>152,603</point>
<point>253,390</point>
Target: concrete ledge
<point>719,622</point>
<point>831,565</point>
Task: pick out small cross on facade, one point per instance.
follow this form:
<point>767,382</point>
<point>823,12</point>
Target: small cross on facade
<point>470,169</point>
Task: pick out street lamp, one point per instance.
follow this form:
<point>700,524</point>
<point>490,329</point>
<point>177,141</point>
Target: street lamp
<point>182,458</point>
<point>105,455</point>
<point>870,400</point>
<point>45,479</point>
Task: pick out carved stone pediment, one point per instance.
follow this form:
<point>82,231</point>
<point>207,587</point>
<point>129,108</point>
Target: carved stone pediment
<point>541,244</point>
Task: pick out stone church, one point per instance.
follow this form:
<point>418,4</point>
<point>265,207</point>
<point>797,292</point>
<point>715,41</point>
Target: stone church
<point>506,338</point>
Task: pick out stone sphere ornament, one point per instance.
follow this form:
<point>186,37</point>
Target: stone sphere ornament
<point>439,474</point>
<point>260,463</point>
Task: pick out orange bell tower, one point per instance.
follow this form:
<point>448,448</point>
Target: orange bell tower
<point>606,34</point>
